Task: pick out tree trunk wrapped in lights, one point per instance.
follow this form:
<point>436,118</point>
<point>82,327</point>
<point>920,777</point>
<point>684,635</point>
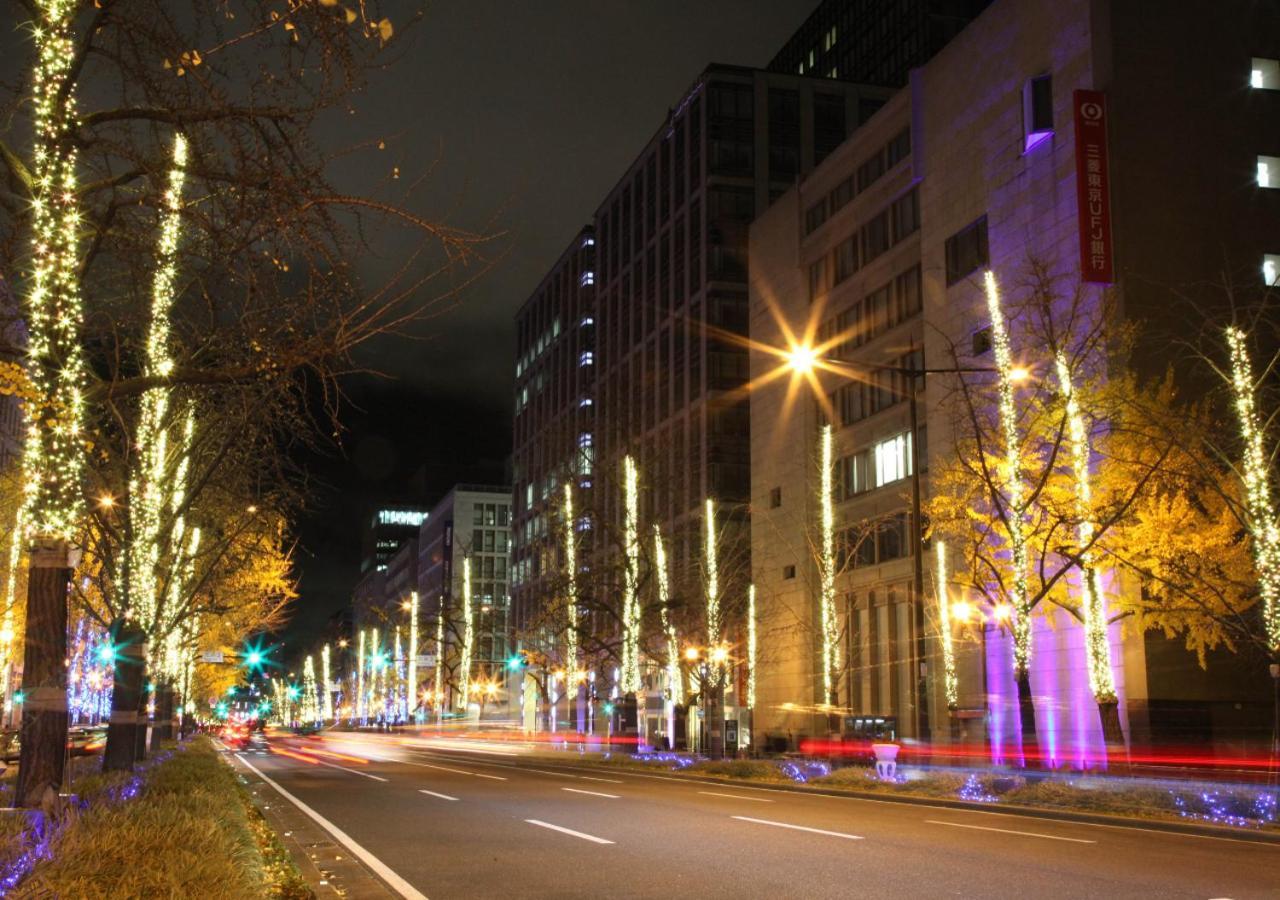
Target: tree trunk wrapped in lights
<point>675,683</point>
<point>53,457</point>
<point>411,675</point>
<point>827,571</point>
<point>951,684</point>
<point>571,584</point>
<point>1097,647</point>
<point>468,636</point>
<point>631,601</point>
<point>1254,473</point>
<point>1013,515</point>
<point>712,568</point>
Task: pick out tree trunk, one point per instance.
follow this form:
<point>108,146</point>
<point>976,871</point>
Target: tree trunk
<point>44,675</point>
<point>162,728</point>
<point>130,658</point>
<point>1112,733</point>
<point>1027,718</point>
<point>140,735</point>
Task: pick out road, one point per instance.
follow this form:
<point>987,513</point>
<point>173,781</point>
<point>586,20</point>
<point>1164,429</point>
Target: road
<point>487,821</point>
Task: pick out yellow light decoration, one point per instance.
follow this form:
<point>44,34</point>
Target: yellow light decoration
<point>674,679</point>
<point>827,569</point>
<point>155,487</point>
<point>712,565</point>
<point>1257,485</point>
<point>1015,513</point>
<point>53,452</point>
<point>439,673</point>
<point>412,666</point>
<point>571,581</point>
<point>360,704</point>
<point>950,682</point>
<point>395,689</point>
<point>630,601</point>
<point>309,697</point>
<point>468,635</point>
<point>1096,646</point>
<point>751,646</point>
<point>10,599</point>
<point>326,695</point>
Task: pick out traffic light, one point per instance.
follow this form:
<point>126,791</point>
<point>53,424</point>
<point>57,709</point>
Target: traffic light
<point>515,662</point>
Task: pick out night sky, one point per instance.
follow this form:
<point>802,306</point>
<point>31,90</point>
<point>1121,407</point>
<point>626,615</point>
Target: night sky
<point>529,112</point>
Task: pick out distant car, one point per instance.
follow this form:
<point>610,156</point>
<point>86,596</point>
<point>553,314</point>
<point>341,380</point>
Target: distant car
<point>86,741</point>
<point>235,736</point>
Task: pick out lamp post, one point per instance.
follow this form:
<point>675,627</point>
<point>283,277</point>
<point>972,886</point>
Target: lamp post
<point>802,359</point>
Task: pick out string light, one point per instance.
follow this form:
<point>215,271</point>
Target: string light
<point>439,674</point>
<point>630,601</point>
<point>1097,647</point>
<point>1257,487</point>
<point>1021,620</point>
<point>675,683</point>
<point>53,454</point>
<point>751,646</point>
<point>950,682</point>
<point>571,581</point>
<point>10,599</point>
<point>154,476</point>
<point>713,574</point>
<point>361,711</point>
<point>468,634</point>
<point>827,570</point>
<point>411,688</point>
<point>327,697</point>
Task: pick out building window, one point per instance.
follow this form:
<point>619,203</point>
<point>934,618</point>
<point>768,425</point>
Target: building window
<point>875,237</point>
<point>587,278</point>
<point>892,459</point>
<point>1269,171</point>
<point>846,258</point>
<point>788,572</point>
<point>1265,74</point>
<point>1271,269</point>
<point>982,341</point>
<point>841,195</point>
<point>966,250</point>
<point>869,171</point>
<point>899,148</point>
<point>817,278</point>
<point>906,215</point>
<point>588,358</point>
<point>1037,111</point>
<point>775,498</point>
<point>815,215</point>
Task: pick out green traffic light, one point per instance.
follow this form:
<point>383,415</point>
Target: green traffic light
<point>515,662</point>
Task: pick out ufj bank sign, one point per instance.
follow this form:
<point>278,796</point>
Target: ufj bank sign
<point>1093,188</point>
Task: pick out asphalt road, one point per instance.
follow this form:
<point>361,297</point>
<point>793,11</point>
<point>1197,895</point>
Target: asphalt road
<point>445,823</point>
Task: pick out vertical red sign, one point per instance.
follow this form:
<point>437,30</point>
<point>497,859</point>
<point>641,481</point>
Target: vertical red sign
<point>1093,188</point>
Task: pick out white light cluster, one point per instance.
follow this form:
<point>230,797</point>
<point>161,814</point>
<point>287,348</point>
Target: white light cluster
<point>1257,487</point>
<point>1015,512</point>
<point>674,680</point>
<point>751,646</point>
<point>361,707</point>
<point>571,583</point>
<point>1097,647</point>
<point>411,666</point>
<point>53,454</point>
<point>327,695</point>
<point>468,635</point>
<point>631,601</point>
<point>713,577</point>
<point>827,570</point>
<point>951,684</point>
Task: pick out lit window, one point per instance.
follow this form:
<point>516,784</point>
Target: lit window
<point>1037,111</point>
<point>588,358</point>
<point>588,277</point>
<point>801,69</point>
<point>832,73</point>
<point>812,57</point>
<point>893,459</point>
<point>587,320</point>
<point>589,242</point>
<point>1271,269</point>
<point>1269,171</point>
<point>585,401</point>
<point>1265,74</point>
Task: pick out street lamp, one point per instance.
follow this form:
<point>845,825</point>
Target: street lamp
<point>803,359</point>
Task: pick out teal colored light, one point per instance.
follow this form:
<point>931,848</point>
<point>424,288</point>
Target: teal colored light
<point>19,696</point>
<point>254,658</point>
<point>293,692</point>
<point>608,709</point>
<point>515,662</point>
<point>107,653</point>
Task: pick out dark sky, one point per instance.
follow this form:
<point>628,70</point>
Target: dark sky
<point>528,111</point>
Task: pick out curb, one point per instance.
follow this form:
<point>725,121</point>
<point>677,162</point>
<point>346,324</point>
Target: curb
<point>1270,836</point>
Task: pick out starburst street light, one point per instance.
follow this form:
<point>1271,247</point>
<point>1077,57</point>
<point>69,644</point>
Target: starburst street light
<point>801,358</point>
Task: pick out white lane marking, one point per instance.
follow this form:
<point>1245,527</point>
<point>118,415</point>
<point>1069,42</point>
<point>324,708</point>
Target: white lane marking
<point>1036,834</point>
<point>839,834</point>
<point>394,881</point>
<point>592,793</point>
<point>447,769</point>
<point>736,797</point>
<point>577,834</point>
<point>345,769</point>
<point>434,794</point>
<point>606,780</point>
<point>546,772</point>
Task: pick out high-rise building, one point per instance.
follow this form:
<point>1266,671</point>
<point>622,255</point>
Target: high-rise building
<point>873,41</point>
<point>554,431</point>
<point>472,523</point>
<point>992,158</point>
<point>384,532</point>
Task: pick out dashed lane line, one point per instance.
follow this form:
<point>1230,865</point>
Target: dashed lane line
<point>839,834</point>
<point>592,793</point>
<point>1034,834</point>
<point>569,831</point>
